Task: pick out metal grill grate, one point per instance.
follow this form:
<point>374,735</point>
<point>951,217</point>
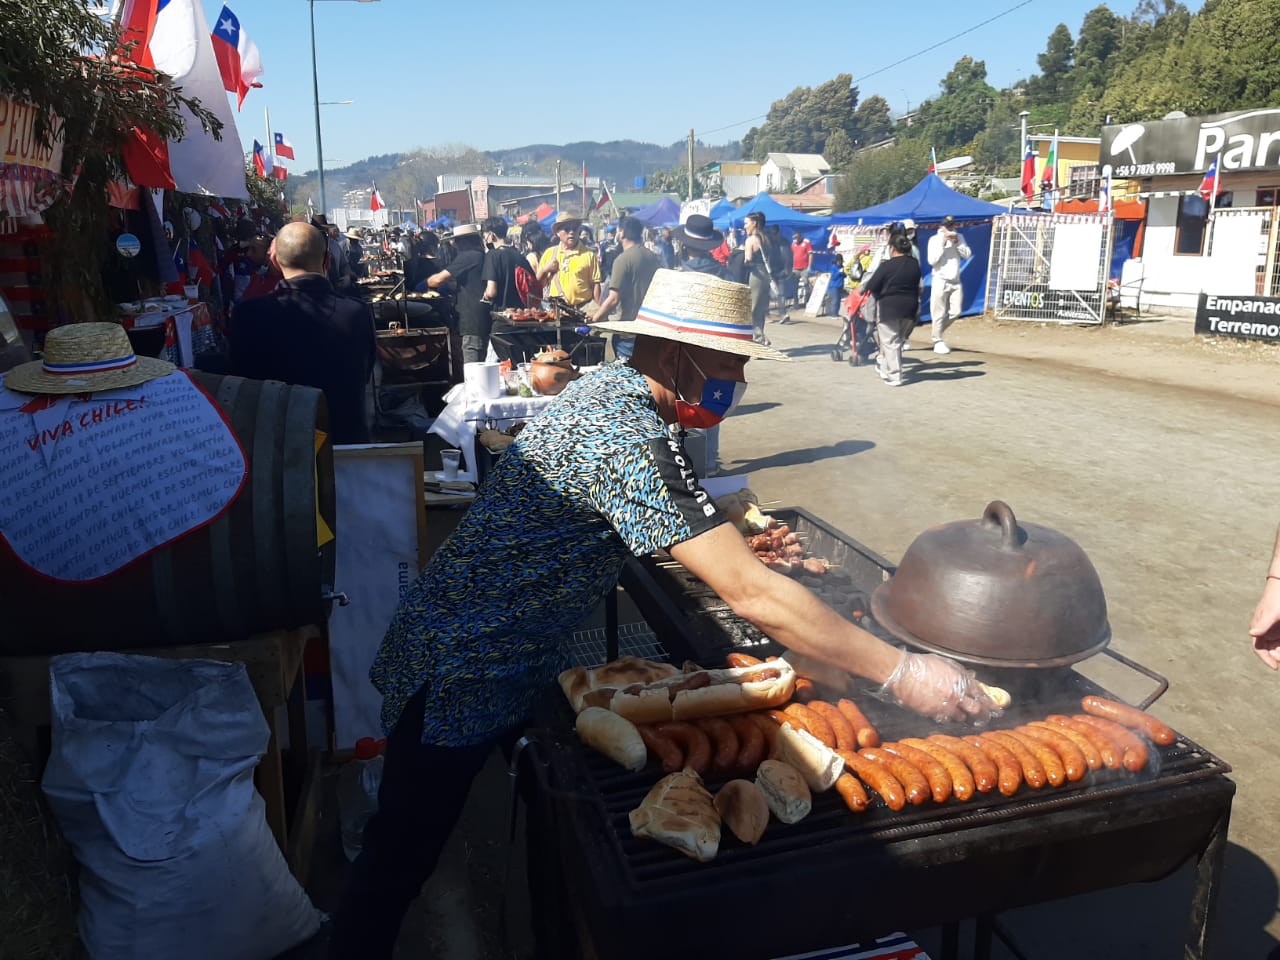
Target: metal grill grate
<point>587,647</point>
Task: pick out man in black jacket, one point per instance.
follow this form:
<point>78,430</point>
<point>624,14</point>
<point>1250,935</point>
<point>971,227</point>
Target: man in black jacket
<point>305,333</point>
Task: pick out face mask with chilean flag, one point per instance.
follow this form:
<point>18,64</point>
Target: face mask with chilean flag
<point>719,397</point>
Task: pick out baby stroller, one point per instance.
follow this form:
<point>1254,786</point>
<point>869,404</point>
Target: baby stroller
<point>856,334</point>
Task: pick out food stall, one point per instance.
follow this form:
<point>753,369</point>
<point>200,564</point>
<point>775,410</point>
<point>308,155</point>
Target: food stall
<point>517,335</point>
<point>838,876</point>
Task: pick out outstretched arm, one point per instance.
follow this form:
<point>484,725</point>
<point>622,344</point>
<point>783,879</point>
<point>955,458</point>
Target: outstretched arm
<point>1264,628</point>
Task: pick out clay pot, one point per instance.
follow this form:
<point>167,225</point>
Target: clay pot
<point>995,592</point>
<point>550,372</point>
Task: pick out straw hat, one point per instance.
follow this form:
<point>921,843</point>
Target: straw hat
<point>697,309</point>
<point>564,219</point>
<point>83,358</point>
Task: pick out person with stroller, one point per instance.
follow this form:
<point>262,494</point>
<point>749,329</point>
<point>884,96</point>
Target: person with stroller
<point>896,288</point>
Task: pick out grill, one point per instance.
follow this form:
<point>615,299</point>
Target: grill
<point>837,877</point>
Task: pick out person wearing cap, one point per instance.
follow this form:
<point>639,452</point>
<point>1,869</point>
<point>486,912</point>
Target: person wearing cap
<point>305,332</point>
<point>628,282</point>
<point>570,270</point>
<point>466,271</point>
<point>599,476</point>
<point>947,253</point>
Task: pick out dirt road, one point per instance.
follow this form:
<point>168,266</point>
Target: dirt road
<point>1157,452</point>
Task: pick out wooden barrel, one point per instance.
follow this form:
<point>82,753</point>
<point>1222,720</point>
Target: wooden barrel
<point>256,568</point>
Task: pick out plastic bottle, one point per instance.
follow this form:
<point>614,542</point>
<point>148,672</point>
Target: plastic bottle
<point>358,792</point>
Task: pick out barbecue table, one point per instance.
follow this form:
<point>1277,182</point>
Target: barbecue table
<point>838,877</point>
<point>520,341</point>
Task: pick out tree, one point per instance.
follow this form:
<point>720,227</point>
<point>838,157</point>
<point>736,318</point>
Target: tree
<point>954,119</point>
<point>1055,62</point>
<point>882,174</point>
<point>63,63</point>
<point>839,151</point>
<point>805,118</point>
<point>875,122</point>
<point>1100,37</point>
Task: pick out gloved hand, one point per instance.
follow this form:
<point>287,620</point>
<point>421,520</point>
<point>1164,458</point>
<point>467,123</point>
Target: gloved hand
<point>938,687</point>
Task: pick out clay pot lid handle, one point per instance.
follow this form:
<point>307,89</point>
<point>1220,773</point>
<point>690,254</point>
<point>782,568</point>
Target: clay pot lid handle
<point>1000,512</point>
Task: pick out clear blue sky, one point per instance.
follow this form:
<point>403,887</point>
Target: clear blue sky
<point>502,74</point>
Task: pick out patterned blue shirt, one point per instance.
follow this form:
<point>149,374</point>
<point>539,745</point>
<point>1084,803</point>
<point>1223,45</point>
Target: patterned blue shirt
<point>595,476</point>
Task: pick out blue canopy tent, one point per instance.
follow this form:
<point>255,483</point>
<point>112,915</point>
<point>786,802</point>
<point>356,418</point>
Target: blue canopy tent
<point>722,208</point>
<point>664,213</point>
<point>814,229</point>
<point>927,203</point>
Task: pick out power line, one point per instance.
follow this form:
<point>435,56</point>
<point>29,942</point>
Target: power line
<point>896,63</point>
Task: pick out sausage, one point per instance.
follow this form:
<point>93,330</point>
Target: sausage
<point>912,780</point>
<point>961,779</point>
<point>851,792</point>
<point>694,681</point>
<point>780,718</point>
<point>805,690</point>
<point>769,728</point>
<point>1054,769</point>
<point>752,746</point>
<point>1074,764</point>
<point>812,722</point>
<point>1130,717</point>
<point>725,758</point>
<point>846,739</point>
<point>1032,769</point>
<point>599,698</point>
<point>742,660</point>
<point>934,772</point>
<point>1134,751</point>
<point>862,728</point>
<point>878,777</point>
<point>662,749</point>
<point>984,770</point>
<point>1009,770</point>
<point>1107,748</point>
<point>695,744</point>
<point>1092,758</point>
<point>815,565</point>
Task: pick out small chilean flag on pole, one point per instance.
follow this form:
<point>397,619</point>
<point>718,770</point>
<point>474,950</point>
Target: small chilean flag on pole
<point>375,201</point>
<point>1209,185</point>
<point>283,147</point>
<point>263,165</point>
<point>1028,170</point>
<point>238,59</point>
<point>933,161</point>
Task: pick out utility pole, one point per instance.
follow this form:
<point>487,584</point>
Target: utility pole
<point>1022,147</point>
<point>557,187</point>
<point>690,163</point>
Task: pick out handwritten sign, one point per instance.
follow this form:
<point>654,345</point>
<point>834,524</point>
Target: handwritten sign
<point>18,142</point>
<point>91,482</point>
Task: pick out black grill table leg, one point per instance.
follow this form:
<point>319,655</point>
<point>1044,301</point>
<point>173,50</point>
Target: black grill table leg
<point>1205,896</point>
<point>950,946</point>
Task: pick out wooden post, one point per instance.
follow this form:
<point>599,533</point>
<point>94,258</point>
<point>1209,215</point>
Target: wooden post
<point>690,163</point>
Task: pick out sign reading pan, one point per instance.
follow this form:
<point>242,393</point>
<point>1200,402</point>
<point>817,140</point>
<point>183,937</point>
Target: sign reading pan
<point>1250,318</point>
<point>1246,140</point>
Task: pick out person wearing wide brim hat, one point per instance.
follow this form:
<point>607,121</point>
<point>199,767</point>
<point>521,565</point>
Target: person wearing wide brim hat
<point>354,234</point>
<point>570,270</point>
<point>602,475</point>
<point>86,358</point>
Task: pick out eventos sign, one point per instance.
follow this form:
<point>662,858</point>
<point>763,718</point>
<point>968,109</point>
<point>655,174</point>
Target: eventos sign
<point>1250,318</point>
<point>1247,140</point>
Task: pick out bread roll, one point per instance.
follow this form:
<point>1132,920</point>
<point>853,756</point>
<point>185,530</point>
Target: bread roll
<point>742,806</point>
<point>784,791</point>
<point>679,812</point>
<point>702,693</point>
<point>614,736</point>
<point>817,763</point>
<point>578,682</point>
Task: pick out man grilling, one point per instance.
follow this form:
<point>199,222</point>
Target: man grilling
<point>599,476</point>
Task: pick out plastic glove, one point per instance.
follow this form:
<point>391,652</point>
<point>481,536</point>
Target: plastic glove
<point>938,687</point>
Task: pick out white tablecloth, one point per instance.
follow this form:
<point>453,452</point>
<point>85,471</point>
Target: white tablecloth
<point>464,414</point>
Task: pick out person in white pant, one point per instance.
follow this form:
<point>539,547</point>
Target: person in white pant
<point>947,250</point>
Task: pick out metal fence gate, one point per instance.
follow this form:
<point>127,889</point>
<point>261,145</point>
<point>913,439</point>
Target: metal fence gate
<point>1050,268</point>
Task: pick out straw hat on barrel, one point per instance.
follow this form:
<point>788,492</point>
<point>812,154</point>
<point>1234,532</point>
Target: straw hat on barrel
<point>84,358</point>
<point>697,309</point>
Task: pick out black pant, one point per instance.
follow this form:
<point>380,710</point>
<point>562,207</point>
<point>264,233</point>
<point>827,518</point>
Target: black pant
<point>424,789</point>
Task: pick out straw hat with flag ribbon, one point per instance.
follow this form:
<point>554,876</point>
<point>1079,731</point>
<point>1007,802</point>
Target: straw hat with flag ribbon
<point>697,309</point>
<point>84,358</point>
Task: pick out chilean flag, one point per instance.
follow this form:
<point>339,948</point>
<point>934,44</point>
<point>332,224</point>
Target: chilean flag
<point>1028,170</point>
<point>375,201</point>
<point>1209,185</point>
<point>283,147</point>
<point>238,59</point>
<point>263,165</point>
